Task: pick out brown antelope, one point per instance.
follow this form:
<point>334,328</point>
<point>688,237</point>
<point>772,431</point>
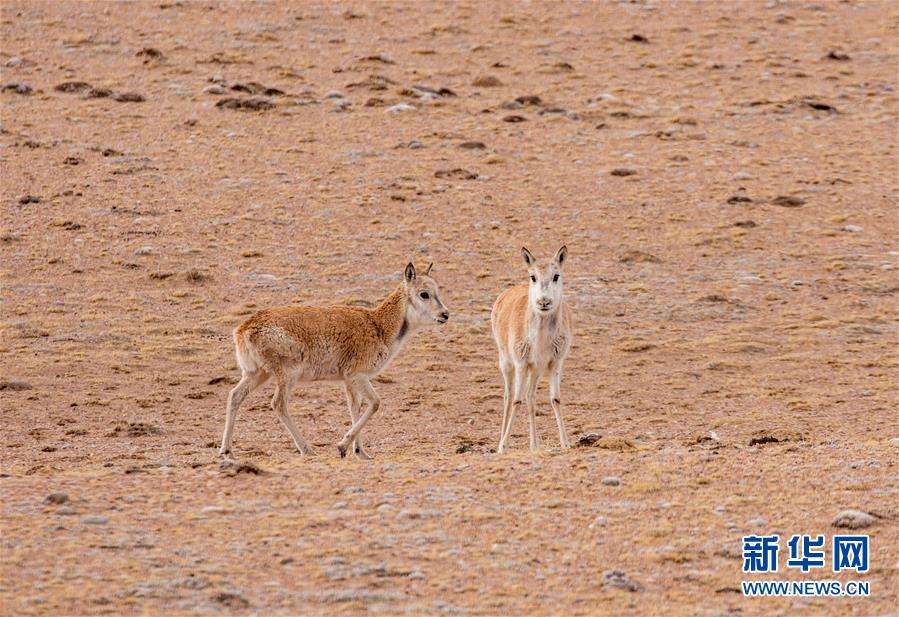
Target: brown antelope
<point>532,329</point>
<point>337,343</point>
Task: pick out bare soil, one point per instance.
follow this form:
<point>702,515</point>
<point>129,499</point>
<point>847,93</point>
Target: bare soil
<point>724,175</point>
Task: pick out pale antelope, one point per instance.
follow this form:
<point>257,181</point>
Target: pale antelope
<point>532,329</point>
<point>337,343</point>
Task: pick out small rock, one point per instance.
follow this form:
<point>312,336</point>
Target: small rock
<point>487,81</point>
<point>214,89</point>
<point>14,61</point>
<point>588,439</point>
<point>742,175</point>
<point>757,522</point>
<point>638,38</point>
<point>65,511</point>
<point>72,86</point>
<point>233,468</point>
<point>56,498</point>
<point>339,505</point>
<point>214,510</point>
<point>837,55</point>
<point>618,579</point>
<point>384,507</point>
<point>529,99</point>
<point>617,444</point>
<point>341,104</point>
<point>149,53</point>
<point>18,87</point>
<point>400,107</point>
<point>787,201</point>
<point>29,199</point>
<point>95,520</point>
<point>456,174</point>
<point>853,519</point>
<point>129,97</point>
<point>231,600</point>
<point>599,521</point>
<point>894,442</point>
<point>252,103</point>
<point>611,481</point>
<point>334,94</point>
<point>512,105</point>
<point>146,250</point>
<point>739,199</point>
<point>514,118</point>
<point>472,145</point>
<point>853,228</point>
<point>98,93</point>
<point>416,575</point>
<point>623,172</point>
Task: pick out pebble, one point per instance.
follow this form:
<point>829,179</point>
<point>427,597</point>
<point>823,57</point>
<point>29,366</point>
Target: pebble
<point>619,579</point>
<point>894,442</point>
<point>18,87</point>
<point>742,175</point>
<point>339,505</point>
<point>757,522</point>
<point>14,61</point>
<point>417,575</point>
<point>853,228</point>
<point>65,511</point>
<point>213,510</point>
<point>853,519</point>
<point>95,520</point>
<point>622,172</point>
<point>214,89</point>
<point>342,104</point>
<point>599,521</point>
<point>611,481</point>
<point>334,94</point>
<point>56,498</point>
<point>401,107</point>
<point>146,250</point>
<point>385,507</point>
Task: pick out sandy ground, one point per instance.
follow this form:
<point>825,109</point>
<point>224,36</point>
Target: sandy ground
<point>724,175</point>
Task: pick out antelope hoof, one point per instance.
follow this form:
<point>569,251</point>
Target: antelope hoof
<point>342,450</point>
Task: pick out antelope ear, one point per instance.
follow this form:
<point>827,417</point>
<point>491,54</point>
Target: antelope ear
<point>428,271</point>
<point>561,255</point>
<point>528,258</point>
<point>409,274</point>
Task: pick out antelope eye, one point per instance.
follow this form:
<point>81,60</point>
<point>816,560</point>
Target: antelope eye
<point>533,279</point>
<point>556,278</point>
<point>424,295</point>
